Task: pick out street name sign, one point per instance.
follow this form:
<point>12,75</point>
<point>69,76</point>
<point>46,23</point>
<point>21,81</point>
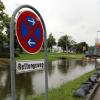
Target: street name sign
<point>29,31</point>
<point>23,66</point>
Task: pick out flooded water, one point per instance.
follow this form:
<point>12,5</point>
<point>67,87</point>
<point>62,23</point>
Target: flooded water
<point>33,83</point>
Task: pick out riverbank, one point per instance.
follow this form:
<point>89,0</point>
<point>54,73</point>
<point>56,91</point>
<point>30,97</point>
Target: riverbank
<point>4,61</point>
<point>51,56</point>
<point>64,92</point>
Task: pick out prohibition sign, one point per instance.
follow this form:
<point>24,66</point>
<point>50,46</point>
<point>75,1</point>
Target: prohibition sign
<point>29,32</point>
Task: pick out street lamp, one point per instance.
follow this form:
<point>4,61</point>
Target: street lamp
<point>97,34</point>
<point>97,40</point>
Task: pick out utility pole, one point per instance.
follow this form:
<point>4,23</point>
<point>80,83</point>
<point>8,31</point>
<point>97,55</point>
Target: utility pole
<point>97,34</point>
<point>97,40</point>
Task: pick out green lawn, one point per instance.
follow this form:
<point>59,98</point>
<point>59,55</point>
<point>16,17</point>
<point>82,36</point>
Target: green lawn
<point>51,56</point>
<point>64,92</point>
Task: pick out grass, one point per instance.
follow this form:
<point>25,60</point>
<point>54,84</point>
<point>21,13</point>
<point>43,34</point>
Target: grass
<point>51,56</point>
<point>64,92</point>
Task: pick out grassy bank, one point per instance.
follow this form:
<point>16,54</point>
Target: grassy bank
<point>64,92</point>
<point>51,56</point>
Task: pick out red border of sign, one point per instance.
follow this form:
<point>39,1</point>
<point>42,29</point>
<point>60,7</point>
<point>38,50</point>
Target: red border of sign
<point>21,41</point>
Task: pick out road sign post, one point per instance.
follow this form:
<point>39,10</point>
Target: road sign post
<point>12,65</point>
<point>31,43</point>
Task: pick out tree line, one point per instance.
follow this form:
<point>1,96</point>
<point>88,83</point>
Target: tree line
<point>4,30</point>
<point>67,44</point>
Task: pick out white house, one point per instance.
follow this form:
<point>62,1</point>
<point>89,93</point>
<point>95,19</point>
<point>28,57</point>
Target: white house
<point>57,49</point>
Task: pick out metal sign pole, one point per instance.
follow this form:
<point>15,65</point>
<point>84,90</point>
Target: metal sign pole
<point>12,65</point>
<point>45,54</point>
<point>46,65</point>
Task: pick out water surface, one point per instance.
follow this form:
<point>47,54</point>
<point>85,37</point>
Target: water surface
<point>33,83</point>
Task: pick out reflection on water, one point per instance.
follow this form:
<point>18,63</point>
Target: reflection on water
<point>68,70</point>
<point>4,84</point>
<point>59,72</point>
<point>24,85</point>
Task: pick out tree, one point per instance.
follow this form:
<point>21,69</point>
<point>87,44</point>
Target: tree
<point>51,41</point>
<point>81,47</point>
<point>4,22</point>
<point>65,42</point>
<point>1,19</point>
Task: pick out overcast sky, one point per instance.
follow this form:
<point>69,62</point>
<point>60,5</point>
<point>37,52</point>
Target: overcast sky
<point>78,18</point>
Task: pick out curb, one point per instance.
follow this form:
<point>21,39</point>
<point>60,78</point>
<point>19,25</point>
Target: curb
<point>92,93</point>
